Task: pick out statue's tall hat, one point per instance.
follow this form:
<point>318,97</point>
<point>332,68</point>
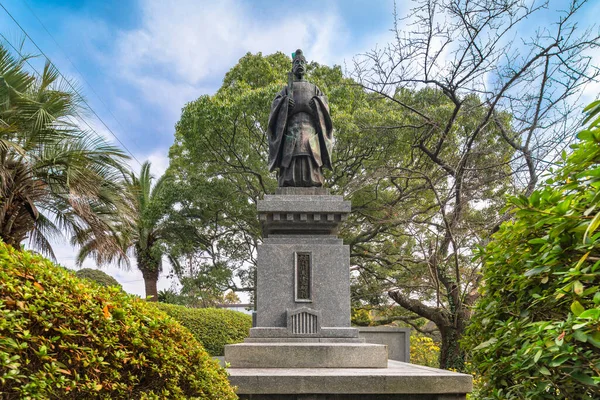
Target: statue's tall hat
<point>298,54</point>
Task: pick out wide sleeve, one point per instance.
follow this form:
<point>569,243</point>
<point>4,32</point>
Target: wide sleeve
<point>325,126</point>
<point>276,127</point>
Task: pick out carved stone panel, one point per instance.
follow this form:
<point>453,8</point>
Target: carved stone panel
<point>303,278</point>
<point>303,321</point>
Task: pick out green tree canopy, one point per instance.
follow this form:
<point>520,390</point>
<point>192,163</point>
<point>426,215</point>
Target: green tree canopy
<point>100,277</point>
<point>398,194</point>
<point>219,157</point>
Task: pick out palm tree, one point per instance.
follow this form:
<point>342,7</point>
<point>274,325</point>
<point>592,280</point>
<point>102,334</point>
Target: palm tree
<point>55,178</point>
<point>141,230</point>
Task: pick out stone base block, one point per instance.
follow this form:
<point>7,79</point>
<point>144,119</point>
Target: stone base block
<point>318,396</point>
<point>304,340</point>
<point>304,211</point>
<point>399,381</point>
<point>277,333</point>
<point>306,355</point>
<point>396,339</point>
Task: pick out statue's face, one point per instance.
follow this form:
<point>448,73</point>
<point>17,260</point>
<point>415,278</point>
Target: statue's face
<point>299,67</point>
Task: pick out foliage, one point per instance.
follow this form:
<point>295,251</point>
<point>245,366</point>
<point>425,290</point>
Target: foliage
<point>140,229</point>
<point>218,160</point>
<point>196,298</point>
<point>202,283</point>
<point>55,178</point>
<point>536,329</point>
<point>62,337</point>
<point>95,275</point>
<point>213,327</point>
<point>219,168</point>
<point>482,115</point>
<point>424,351</point>
<point>171,296</point>
<point>360,317</point>
<point>231,298</point>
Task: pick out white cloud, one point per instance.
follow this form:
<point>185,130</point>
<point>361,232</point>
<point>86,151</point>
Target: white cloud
<point>178,53</point>
<point>592,90</point>
<point>198,40</point>
<point>160,162</point>
<point>169,95</point>
<point>131,279</point>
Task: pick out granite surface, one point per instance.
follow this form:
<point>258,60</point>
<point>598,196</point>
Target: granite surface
<point>397,379</point>
<point>305,340</point>
<point>325,333</point>
<point>306,355</point>
<point>307,213</point>
<point>396,339</point>
<point>334,396</point>
<point>276,280</point>
<point>313,191</point>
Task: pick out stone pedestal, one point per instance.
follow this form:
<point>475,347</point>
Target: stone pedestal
<point>303,275</point>
<point>322,284</point>
<point>303,346</point>
<point>400,381</point>
<point>306,355</point>
<point>396,339</point>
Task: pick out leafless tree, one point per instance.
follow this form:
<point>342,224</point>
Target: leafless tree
<point>506,105</point>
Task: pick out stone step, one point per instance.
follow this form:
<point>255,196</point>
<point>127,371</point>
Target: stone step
<point>398,381</point>
<point>306,355</point>
<point>305,340</point>
<point>281,333</point>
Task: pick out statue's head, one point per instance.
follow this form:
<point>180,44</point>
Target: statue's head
<point>299,64</point>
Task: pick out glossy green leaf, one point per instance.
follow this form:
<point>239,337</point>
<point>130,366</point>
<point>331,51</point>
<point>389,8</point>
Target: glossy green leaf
<point>579,335</point>
<point>578,288</point>
<point>577,308</point>
<point>584,378</point>
<point>591,314</point>
<point>485,344</point>
<point>544,371</point>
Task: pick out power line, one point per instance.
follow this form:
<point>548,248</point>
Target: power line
<point>73,64</point>
<point>40,75</point>
<point>69,83</point>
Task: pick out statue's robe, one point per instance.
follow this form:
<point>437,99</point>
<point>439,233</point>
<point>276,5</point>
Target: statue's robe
<point>301,137</point>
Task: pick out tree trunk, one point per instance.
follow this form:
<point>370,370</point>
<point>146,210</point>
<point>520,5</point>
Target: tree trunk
<point>451,355</point>
<point>150,282</point>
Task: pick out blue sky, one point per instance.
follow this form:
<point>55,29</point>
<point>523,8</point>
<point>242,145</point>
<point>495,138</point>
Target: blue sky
<point>138,62</point>
<point>146,59</point>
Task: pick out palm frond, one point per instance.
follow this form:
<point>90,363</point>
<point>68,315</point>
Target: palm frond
<point>39,241</point>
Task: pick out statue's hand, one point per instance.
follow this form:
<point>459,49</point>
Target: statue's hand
<point>291,103</point>
<point>311,103</point>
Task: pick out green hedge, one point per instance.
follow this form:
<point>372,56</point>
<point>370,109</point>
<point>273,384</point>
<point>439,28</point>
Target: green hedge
<point>535,333</point>
<point>213,327</point>
<point>66,338</point>
<point>95,275</point>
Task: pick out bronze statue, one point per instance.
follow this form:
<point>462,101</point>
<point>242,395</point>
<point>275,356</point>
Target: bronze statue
<point>300,131</point>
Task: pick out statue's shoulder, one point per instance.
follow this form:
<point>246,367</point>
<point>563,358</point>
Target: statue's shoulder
<point>316,89</point>
<point>282,92</point>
